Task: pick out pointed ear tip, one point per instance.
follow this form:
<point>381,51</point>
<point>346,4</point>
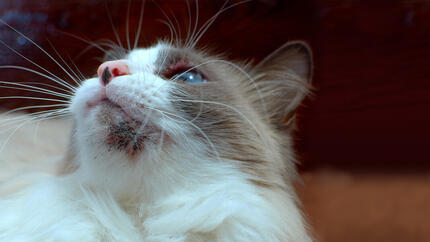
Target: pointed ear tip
<point>296,54</point>
<point>304,49</point>
<point>301,45</point>
<point>304,44</point>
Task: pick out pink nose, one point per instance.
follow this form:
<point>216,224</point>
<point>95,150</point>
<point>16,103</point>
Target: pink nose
<point>110,69</point>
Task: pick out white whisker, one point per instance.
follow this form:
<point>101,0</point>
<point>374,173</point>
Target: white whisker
<point>113,46</point>
<point>76,79</point>
<point>209,22</point>
<point>34,84</point>
<point>64,109</point>
<point>52,77</point>
<point>32,89</point>
<point>19,118</point>
<point>193,125</point>
<point>127,23</point>
<point>6,141</point>
<point>91,44</point>
<point>139,27</point>
<point>34,98</point>
<point>39,47</point>
<point>189,23</point>
<point>112,25</point>
<point>162,64</point>
<point>196,23</point>
<point>243,116</point>
<point>170,29</point>
<point>169,22</point>
<point>81,76</point>
<point>71,88</point>
<point>179,37</point>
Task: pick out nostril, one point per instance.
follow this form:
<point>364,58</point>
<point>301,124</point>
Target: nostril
<point>106,76</point>
<point>117,72</point>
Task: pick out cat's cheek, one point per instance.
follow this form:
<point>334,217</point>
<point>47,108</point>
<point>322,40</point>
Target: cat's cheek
<point>96,99</point>
<point>88,95</point>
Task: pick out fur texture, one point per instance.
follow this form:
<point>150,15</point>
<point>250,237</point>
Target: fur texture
<point>153,158</point>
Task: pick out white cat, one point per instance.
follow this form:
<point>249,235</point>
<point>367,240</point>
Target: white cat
<point>172,144</point>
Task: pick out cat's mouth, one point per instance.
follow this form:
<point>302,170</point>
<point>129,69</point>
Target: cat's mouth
<point>127,108</point>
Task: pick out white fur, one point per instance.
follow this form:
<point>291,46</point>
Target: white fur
<point>168,193</point>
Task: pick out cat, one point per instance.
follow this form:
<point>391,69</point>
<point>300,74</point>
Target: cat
<point>169,143</point>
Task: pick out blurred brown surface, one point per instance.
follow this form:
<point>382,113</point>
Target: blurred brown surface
<point>368,118</point>
<point>348,207</point>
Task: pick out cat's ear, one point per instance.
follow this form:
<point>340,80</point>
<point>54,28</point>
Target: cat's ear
<point>293,56</point>
<point>284,79</point>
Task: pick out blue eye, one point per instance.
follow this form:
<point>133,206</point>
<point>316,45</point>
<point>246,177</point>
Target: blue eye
<point>191,77</point>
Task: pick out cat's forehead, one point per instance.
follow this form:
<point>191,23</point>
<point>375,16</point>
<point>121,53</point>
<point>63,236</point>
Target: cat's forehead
<point>161,55</point>
<point>145,56</point>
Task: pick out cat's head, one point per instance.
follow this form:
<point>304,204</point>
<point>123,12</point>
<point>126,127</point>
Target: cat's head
<point>173,105</point>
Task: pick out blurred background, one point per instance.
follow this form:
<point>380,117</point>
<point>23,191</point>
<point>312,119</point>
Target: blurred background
<point>362,137</point>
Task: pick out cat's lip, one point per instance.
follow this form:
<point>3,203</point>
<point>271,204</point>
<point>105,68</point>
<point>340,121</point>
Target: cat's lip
<point>121,111</point>
<point>101,97</point>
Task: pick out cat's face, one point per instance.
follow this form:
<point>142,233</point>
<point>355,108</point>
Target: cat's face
<point>167,101</point>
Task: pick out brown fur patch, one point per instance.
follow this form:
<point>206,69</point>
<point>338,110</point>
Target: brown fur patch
<point>228,109</point>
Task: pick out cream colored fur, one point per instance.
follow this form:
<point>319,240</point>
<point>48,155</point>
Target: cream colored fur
<point>30,149</point>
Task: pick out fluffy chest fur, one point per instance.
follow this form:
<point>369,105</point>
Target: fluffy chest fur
<point>173,144</point>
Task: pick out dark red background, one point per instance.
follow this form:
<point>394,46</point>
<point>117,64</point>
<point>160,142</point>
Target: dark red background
<point>370,108</point>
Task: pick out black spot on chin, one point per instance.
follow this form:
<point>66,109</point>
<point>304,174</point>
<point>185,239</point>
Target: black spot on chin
<point>120,135</point>
<point>123,137</point>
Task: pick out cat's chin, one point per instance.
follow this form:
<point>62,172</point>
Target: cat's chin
<point>125,134</point>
